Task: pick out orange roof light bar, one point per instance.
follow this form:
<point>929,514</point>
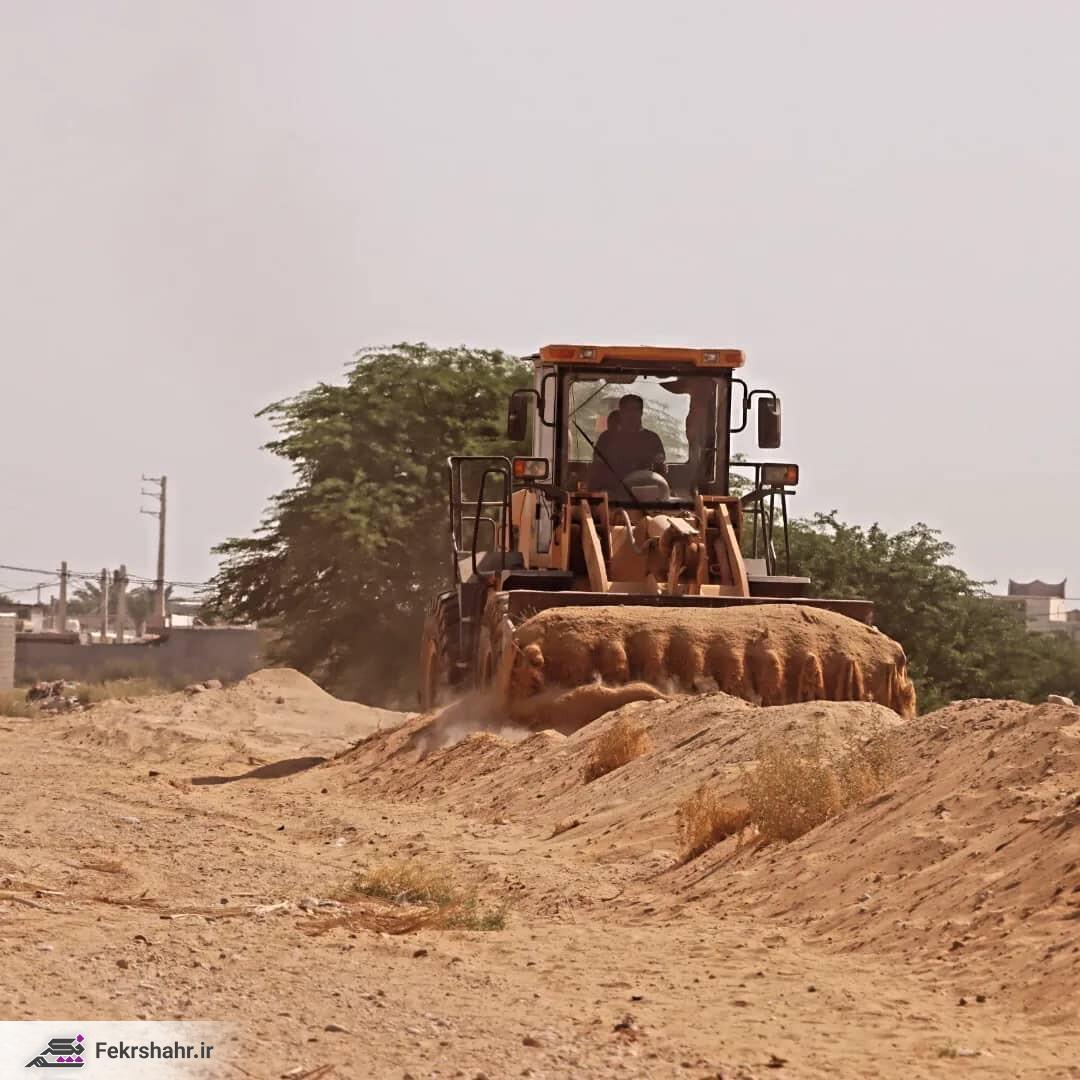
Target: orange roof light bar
<point>634,354</point>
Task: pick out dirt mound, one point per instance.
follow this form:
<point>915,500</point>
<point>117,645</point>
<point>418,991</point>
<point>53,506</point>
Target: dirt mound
<point>968,862</point>
<point>219,899</point>
<point>972,857</point>
<point>770,654</point>
<point>245,724</point>
<point>540,777</point>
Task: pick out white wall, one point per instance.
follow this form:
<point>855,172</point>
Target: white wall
<point>1045,613</point>
<point>7,652</point>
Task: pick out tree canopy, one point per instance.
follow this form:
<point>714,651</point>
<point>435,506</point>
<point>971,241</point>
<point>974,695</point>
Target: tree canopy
<point>346,560</point>
<point>86,600</point>
<point>960,642</point>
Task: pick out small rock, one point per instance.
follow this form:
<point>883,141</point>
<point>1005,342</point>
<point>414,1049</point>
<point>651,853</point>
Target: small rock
<point>811,989</point>
<point>128,820</point>
<point>419,953</point>
<point>279,700</point>
<point>530,1040</point>
<point>980,998</point>
<point>44,946</point>
<point>154,772</point>
<point>337,1028</point>
<point>212,684</point>
<point>775,1062</point>
<point>123,964</point>
<point>1059,699</point>
<point>962,1001</point>
<point>194,688</point>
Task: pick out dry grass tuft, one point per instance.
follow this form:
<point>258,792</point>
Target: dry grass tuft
<point>794,790</point>
<point>14,703</point>
<point>624,741</point>
<point>430,891</point>
<point>565,825</point>
<point>707,817</point>
<point>406,881</point>
<point>119,689</point>
<point>381,921</point>
<point>105,866</point>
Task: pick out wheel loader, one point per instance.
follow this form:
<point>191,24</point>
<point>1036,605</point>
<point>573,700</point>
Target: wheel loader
<point>624,559</point>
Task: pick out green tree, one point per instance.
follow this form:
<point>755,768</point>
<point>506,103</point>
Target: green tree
<point>86,600</point>
<point>960,642</point>
<point>346,560</point>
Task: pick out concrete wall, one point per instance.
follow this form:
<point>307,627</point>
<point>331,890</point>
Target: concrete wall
<point>7,652</point>
<point>183,656</point>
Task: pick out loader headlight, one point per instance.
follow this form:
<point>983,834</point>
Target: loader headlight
<point>531,468</point>
<point>779,475</point>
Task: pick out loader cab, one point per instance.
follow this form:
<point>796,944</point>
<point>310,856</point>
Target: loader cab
<point>692,401</point>
<point>686,398</point>
<point>644,437</point>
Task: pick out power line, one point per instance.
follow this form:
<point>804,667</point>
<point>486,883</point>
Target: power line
<point>29,588</point>
<point>92,575</point>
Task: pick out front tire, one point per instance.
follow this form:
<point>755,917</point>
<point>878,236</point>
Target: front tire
<point>439,673</point>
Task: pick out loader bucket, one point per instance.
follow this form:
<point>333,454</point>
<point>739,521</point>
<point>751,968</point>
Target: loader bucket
<point>572,657</point>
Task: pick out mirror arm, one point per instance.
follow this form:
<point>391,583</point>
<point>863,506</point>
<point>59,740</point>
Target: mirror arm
<point>541,400</point>
<point>745,407</point>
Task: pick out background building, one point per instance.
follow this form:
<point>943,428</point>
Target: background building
<point>1043,607</point>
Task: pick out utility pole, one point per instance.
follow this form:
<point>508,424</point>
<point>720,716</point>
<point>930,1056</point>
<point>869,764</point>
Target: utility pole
<point>157,615</point>
<point>120,581</point>
<point>104,606</point>
<point>61,608</point>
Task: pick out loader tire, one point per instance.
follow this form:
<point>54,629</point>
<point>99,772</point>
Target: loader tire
<point>439,672</point>
<point>494,637</point>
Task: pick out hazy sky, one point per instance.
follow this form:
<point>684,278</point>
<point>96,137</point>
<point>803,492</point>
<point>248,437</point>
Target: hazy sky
<point>208,206</point>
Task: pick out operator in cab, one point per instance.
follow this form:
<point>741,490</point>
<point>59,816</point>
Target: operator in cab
<point>624,448</point>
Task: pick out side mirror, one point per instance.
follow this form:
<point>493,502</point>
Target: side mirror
<point>517,417</point>
<point>768,423</point>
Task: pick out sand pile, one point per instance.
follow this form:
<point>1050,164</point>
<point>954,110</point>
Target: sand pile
<point>770,654</point>
<point>971,857</point>
<point>968,860</point>
<point>269,713</point>
<point>539,776</point>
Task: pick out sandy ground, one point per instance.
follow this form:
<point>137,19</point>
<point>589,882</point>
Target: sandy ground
<point>156,858</point>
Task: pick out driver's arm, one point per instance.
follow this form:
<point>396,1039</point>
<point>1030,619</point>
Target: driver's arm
<point>599,476</point>
<point>659,460</point>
